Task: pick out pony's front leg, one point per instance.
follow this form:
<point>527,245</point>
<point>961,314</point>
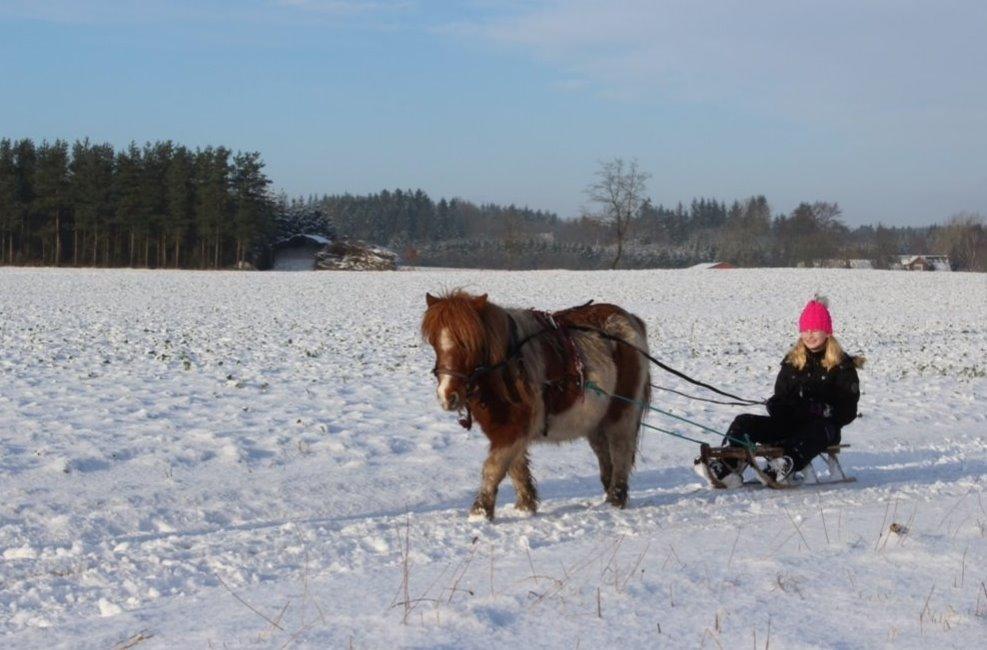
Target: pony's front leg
<point>495,467</point>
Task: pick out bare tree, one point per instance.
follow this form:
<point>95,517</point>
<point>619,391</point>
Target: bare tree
<point>743,240</point>
<point>619,191</point>
<point>964,239</point>
<point>511,236</point>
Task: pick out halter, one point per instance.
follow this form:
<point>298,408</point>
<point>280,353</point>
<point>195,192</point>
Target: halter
<point>513,350</point>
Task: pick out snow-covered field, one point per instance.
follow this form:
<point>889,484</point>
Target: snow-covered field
<point>258,460</point>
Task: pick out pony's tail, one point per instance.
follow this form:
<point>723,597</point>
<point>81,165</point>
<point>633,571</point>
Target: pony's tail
<point>645,406</point>
<point>646,396</point>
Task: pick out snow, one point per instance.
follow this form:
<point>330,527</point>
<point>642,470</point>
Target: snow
<point>315,239</point>
<point>254,460</point>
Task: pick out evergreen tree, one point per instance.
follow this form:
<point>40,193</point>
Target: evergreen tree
<point>26,160</point>
<point>52,199</point>
<point>213,202</point>
<point>8,201</point>
<point>91,191</point>
<point>156,158</point>
<point>128,187</point>
<point>253,205</point>
<point>180,199</point>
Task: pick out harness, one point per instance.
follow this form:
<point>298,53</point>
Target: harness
<point>572,363</point>
<point>573,366</point>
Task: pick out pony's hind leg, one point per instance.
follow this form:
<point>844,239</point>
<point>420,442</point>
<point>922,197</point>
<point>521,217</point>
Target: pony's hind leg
<point>622,441</point>
<point>495,468</point>
<point>623,418</point>
<point>524,484</point>
<point>598,442</point>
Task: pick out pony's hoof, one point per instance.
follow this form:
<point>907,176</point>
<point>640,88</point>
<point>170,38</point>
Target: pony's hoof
<point>525,509</point>
<point>479,513</point>
<point>618,497</point>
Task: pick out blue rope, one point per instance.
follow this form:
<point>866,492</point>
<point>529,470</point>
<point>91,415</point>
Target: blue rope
<point>671,433</point>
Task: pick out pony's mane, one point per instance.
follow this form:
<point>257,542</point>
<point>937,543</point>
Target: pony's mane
<point>478,328</point>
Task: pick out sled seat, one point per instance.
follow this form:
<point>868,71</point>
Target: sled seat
<point>748,458</point>
<point>763,451</point>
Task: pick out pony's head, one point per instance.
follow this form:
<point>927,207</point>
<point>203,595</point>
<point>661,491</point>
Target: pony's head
<point>459,328</point>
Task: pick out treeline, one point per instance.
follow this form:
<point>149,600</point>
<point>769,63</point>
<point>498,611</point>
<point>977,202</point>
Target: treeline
<point>409,217</point>
<point>163,205</point>
<point>745,233</point>
<point>160,205</point>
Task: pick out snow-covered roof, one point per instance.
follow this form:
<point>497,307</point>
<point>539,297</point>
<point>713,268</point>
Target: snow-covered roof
<point>318,240</point>
<point>937,262</point>
<point>712,265</point>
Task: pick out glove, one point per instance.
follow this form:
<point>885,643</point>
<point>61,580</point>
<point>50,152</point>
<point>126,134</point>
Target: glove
<point>819,409</point>
<point>776,407</point>
<point>798,409</point>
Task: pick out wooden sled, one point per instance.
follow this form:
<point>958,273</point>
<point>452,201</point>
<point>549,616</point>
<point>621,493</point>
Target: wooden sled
<point>748,458</point>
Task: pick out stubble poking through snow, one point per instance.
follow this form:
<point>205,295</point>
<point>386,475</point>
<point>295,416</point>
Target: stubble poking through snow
<point>234,458</point>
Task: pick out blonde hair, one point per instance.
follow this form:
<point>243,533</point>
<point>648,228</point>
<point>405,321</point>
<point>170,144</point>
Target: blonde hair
<point>800,352</point>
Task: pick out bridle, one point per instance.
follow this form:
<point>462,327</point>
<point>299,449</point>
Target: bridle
<point>550,324</point>
<point>514,349</point>
<point>465,412</point>
<point>438,371</point>
<point>471,378</point>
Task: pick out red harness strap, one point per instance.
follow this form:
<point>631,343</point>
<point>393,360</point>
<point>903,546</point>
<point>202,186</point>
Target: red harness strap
<point>561,391</point>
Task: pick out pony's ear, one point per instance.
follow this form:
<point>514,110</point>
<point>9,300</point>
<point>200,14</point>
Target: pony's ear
<point>430,299</point>
<point>480,301</point>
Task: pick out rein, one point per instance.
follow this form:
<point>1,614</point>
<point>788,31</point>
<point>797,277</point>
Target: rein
<point>551,325</point>
<point>513,351</point>
<point>741,401</point>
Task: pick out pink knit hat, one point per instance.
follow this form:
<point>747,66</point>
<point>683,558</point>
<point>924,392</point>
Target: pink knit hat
<point>816,316</point>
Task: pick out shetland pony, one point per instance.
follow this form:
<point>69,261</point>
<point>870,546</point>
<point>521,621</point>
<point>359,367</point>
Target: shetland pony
<point>520,373</point>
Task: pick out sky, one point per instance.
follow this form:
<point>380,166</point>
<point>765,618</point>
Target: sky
<point>878,105</point>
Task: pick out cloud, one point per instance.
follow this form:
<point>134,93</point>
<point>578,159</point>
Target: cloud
<point>801,60</point>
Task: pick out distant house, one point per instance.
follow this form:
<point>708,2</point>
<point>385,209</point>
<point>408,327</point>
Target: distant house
<point>923,263</point>
<point>860,264</point>
<point>713,265</point>
<point>297,253</point>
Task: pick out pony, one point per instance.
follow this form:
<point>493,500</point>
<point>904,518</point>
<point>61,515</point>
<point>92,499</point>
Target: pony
<point>522,374</point>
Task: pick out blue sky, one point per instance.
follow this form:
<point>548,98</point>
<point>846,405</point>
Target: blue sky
<point>879,105</point>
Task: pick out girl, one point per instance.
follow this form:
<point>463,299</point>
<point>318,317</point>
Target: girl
<point>815,396</point>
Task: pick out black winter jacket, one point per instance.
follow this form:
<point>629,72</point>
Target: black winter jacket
<point>814,392</point>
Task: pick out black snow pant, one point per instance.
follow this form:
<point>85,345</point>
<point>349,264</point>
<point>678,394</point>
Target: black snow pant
<point>802,441</point>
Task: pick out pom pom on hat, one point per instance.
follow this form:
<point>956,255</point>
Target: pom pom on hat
<point>816,316</point>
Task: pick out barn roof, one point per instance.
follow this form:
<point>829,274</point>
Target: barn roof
<point>302,239</point>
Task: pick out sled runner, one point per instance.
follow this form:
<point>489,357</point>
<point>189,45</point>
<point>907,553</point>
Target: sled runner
<point>745,458</point>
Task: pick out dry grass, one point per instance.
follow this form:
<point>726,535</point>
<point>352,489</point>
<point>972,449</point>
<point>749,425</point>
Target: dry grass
<point>133,641</point>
